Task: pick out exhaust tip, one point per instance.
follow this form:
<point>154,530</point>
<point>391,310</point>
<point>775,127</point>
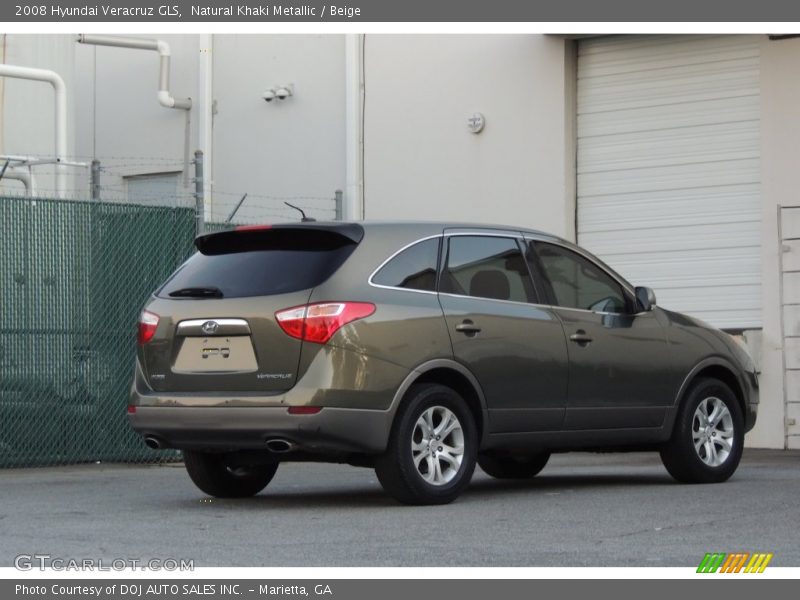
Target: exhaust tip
<point>279,446</point>
<point>152,442</point>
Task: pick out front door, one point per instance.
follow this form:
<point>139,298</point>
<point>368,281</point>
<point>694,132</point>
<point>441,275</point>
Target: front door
<point>620,373</point>
<point>514,347</point>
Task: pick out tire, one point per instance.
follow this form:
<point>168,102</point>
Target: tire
<point>696,454</point>
<point>212,474</point>
<point>507,466</point>
<point>419,481</point>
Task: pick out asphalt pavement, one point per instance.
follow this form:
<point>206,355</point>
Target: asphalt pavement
<point>582,510</point>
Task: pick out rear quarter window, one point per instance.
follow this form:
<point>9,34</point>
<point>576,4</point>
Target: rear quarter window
<point>413,268</point>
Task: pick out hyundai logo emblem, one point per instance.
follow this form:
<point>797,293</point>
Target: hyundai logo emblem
<point>210,327</point>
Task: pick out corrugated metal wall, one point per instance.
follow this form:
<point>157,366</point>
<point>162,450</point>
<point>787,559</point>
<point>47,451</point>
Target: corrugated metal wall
<point>669,168</point>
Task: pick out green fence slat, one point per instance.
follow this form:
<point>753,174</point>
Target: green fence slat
<point>74,276</point>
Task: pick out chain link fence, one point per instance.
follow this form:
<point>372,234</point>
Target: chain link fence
<point>74,276</point>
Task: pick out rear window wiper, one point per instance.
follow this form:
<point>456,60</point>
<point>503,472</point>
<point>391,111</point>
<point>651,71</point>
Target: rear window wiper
<point>197,292</point>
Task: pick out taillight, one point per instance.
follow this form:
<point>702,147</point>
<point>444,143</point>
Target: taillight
<point>148,323</point>
<point>304,410</point>
<point>318,322</point>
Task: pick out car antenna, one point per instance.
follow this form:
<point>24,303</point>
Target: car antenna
<point>304,218</point>
<point>236,208</point>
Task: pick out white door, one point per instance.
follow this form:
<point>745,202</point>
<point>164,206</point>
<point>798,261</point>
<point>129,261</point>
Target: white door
<point>668,168</point>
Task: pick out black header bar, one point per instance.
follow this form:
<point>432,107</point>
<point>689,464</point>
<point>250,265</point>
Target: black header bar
<point>549,11</point>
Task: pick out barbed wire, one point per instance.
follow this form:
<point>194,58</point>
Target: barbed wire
<point>114,187</point>
<point>102,157</point>
<point>217,192</point>
<point>215,212</point>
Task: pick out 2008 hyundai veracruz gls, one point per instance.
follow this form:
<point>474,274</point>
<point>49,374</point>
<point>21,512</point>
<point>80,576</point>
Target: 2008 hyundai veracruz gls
<point>420,349</point>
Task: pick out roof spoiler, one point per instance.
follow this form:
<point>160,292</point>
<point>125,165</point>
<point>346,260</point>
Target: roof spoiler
<point>247,237</point>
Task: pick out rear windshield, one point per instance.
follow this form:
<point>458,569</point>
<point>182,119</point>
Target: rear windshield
<point>259,264</point>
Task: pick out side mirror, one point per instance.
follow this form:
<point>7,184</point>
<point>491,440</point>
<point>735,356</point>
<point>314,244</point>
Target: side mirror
<point>646,298</point>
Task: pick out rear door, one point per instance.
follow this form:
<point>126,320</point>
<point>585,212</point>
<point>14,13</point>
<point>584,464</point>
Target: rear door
<point>514,347</point>
<point>217,330</point>
<point>620,372</point>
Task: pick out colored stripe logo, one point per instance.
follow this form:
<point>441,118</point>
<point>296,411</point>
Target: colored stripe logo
<point>738,562</point>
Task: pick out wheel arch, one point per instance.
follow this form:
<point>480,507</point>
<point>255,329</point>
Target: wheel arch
<point>714,368</point>
<point>455,376</point>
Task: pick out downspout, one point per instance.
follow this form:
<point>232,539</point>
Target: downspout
<point>2,93</point>
<point>60,89</point>
<point>205,119</point>
<point>354,127</point>
<point>165,98</point>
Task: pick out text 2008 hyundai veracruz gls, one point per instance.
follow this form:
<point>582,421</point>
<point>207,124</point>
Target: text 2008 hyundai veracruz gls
<point>420,349</point>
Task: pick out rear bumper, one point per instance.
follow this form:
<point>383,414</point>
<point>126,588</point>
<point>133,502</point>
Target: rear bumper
<point>330,431</point>
<point>355,417</point>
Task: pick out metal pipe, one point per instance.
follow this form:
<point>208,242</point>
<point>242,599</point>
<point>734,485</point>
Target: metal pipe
<point>153,442</point>
<point>204,111</point>
<point>280,446</point>
<point>32,161</point>
<point>60,90</point>
<point>165,98</point>
<point>354,126</point>
<point>24,176</point>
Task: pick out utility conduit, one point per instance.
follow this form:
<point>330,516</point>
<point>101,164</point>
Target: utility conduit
<point>165,98</point>
<point>24,176</point>
<point>60,89</point>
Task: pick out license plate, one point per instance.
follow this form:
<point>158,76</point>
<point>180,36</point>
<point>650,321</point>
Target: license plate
<point>216,355</point>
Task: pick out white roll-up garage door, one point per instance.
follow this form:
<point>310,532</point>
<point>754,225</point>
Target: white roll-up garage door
<point>668,168</point>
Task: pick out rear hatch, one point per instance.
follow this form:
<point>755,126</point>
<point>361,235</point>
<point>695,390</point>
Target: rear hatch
<point>216,329</point>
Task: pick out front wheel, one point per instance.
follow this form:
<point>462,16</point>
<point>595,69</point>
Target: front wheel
<point>708,437</point>
<point>431,453</point>
<point>220,476</point>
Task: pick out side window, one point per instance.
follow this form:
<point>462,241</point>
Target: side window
<point>577,282</point>
<point>414,268</point>
<point>487,267</point>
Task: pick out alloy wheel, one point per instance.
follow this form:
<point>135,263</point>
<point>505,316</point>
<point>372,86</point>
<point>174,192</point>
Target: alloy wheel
<point>437,445</point>
<point>712,431</point>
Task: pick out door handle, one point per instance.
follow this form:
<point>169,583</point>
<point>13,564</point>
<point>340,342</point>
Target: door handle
<point>468,327</point>
<point>580,338</point>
